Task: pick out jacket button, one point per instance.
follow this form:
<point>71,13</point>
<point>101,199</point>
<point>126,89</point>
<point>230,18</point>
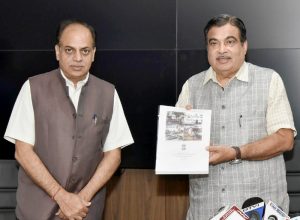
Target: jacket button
<point>74,159</point>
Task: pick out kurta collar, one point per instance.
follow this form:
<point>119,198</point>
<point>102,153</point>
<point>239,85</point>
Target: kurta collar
<point>70,83</point>
<point>242,74</point>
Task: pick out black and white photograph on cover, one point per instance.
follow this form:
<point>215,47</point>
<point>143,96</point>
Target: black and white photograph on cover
<point>183,126</point>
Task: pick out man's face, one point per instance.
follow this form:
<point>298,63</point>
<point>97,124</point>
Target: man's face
<point>225,51</point>
<point>75,52</point>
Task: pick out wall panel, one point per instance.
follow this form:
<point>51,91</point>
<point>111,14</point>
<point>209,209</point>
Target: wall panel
<point>129,24</point>
<point>148,49</point>
<point>270,23</point>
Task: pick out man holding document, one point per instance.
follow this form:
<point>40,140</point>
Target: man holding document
<point>251,124</point>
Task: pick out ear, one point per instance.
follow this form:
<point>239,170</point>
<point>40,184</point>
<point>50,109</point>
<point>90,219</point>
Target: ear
<point>94,53</point>
<point>57,52</point>
<point>245,46</point>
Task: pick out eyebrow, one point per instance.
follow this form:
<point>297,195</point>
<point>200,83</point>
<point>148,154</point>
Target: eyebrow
<point>212,39</point>
<point>229,37</point>
<point>84,48</point>
<point>75,48</point>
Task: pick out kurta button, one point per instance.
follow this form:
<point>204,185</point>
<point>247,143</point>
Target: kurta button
<point>73,137</point>
<point>223,127</point>
<point>223,190</point>
<point>223,106</point>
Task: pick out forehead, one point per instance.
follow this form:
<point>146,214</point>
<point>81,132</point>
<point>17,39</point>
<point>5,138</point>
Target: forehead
<point>223,32</point>
<point>76,34</point>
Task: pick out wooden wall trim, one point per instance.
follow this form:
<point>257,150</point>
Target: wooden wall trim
<point>139,194</point>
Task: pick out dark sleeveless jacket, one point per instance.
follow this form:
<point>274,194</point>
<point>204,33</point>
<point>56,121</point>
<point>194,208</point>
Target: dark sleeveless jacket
<point>68,143</point>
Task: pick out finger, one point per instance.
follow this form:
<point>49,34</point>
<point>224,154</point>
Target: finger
<point>85,210</point>
<point>213,148</point>
<point>82,214</point>
<point>87,203</point>
<point>61,216</point>
<point>188,107</point>
<point>58,212</point>
<point>210,149</point>
<point>77,217</point>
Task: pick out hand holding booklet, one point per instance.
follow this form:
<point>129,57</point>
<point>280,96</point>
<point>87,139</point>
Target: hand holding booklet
<point>182,137</point>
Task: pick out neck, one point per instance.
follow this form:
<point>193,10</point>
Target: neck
<point>224,79</point>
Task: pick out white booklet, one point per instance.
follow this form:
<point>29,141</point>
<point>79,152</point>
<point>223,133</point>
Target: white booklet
<point>182,137</point>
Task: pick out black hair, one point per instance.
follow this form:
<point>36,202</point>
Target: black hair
<point>65,23</point>
<point>223,19</point>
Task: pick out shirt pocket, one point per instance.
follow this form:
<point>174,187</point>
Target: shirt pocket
<point>253,124</point>
<point>100,123</point>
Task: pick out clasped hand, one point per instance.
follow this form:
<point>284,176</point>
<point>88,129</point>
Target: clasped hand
<point>71,206</point>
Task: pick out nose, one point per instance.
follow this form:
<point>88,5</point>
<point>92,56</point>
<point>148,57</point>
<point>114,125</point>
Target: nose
<point>222,48</point>
<point>77,56</point>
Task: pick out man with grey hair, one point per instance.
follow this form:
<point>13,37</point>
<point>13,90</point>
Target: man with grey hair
<point>252,124</point>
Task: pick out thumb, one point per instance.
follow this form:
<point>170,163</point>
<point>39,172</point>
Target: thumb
<point>188,107</point>
<point>212,148</point>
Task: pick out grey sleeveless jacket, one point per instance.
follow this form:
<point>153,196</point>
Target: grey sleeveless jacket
<point>238,117</point>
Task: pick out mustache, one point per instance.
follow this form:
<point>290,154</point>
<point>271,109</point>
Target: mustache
<point>223,57</point>
<point>77,65</point>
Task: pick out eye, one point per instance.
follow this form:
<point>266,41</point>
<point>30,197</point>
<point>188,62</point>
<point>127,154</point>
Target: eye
<point>68,50</point>
<point>213,43</point>
<point>85,51</point>
<point>230,42</point>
